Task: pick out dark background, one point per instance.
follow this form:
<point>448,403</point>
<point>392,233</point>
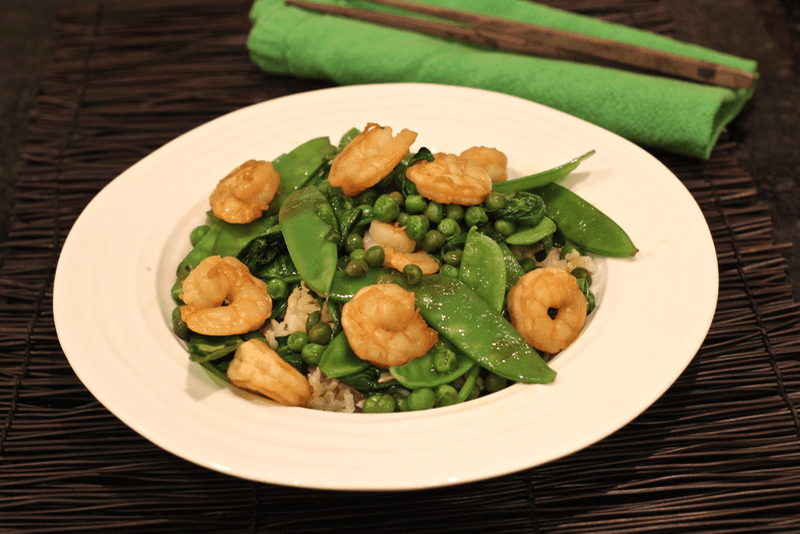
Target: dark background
<point>767,132</point>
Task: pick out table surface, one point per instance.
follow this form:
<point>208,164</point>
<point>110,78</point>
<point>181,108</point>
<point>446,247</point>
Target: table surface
<point>719,452</point>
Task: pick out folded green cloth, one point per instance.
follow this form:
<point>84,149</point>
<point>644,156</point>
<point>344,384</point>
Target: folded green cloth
<point>672,115</point>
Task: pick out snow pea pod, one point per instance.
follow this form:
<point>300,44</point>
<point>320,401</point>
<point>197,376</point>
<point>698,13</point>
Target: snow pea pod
<point>344,287</point>
<point>540,179</point>
<point>483,268</point>
<point>514,270</point>
<point>584,225</point>
<point>421,372</point>
<point>532,234</point>
<point>339,360</point>
<point>475,328</point>
<point>298,166</point>
<point>307,236</point>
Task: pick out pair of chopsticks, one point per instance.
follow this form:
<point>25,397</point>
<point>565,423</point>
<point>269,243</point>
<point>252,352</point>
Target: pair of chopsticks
<point>531,39</point>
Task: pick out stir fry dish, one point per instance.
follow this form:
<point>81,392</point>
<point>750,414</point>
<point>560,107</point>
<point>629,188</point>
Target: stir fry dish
<point>365,277</point>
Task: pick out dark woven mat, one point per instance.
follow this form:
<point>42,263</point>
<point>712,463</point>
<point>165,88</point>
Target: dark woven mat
<point>720,451</point>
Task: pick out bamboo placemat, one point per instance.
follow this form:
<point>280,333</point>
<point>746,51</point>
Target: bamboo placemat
<point>720,451</point>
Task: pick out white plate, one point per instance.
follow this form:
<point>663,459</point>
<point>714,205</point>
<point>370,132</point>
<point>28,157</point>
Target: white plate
<point>112,304</point>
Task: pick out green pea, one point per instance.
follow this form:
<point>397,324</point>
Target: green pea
<point>353,242</point>
<point>494,382</point>
<point>386,208</point>
<point>367,212</point>
<point>416,204</point>
<point>374,256</point>
<point>413,274</point>
<point>356,268</point>
<point>527,264</point>
<point>449,270</point>
<point>445,395</point>
<point>417,226</point>
<point>368,197</point>
<point>449,227</point>
<point>495,201</point>
<point>433,241</point>
<point>434,212</point>
<point>475,216</point>
<point>342,262</point>
<point>504,227</point>
<point>421,399</point>
<point>379,403</point>
<point>402,404</point>
<point>445,361</point>
<point>454,211</point>
<point>297,340</point>
<point>313,318</point>
<point>178,324</point>
<point>453,257</point>
<point>568,249</point>
<point>198,234</point>
<point>277,289</point>
<point>312,353</point>
<point>402,219</point>
<point>320,333</point>
<point>398,197</point>
<point>582,272</point>
<point>358,254</point>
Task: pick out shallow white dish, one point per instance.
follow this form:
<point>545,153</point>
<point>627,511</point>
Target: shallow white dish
<point>112,304</point>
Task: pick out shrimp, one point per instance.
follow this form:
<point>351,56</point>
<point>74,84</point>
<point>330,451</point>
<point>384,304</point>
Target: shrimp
<point>388,236</point>
<point>450,179</point>
<point>384,328</point>
<point>256,367</point>
<point>537,292</point>
<point>243,195</point>
<point>216,281</point>
<point>491,160</point>
<point>399,260</point>
<point>369,158</point>
<point>398,248</point>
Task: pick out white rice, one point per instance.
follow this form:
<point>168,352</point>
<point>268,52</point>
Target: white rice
<point>571,261</point>
<point>299,306</point>
<point>331,395</point>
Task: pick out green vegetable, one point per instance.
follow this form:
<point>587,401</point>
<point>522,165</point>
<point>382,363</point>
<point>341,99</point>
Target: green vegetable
<point>540,179</point>
<point>528,235</point>
<point>198,234</point>
<point>312,353</point>
<point>421,399</point>
<point>514,269</point>
<point>469,386</point>
<point>339,360</point>
<point>474,327</point>
<point>223,239</point>
<point>298,167</point>
<point>483,268</point>
<point>207,348</point>
<point>422,372</point>
<point>306,233</point>
<point>344,287</point>
<point>584,225</point>
<point>297,340</point>
<point>379,403</point>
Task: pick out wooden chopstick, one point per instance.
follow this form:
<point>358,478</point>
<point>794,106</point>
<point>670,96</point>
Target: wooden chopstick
<point>531,39</point>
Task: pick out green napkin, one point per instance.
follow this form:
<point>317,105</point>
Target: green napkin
<point>672,115</point>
